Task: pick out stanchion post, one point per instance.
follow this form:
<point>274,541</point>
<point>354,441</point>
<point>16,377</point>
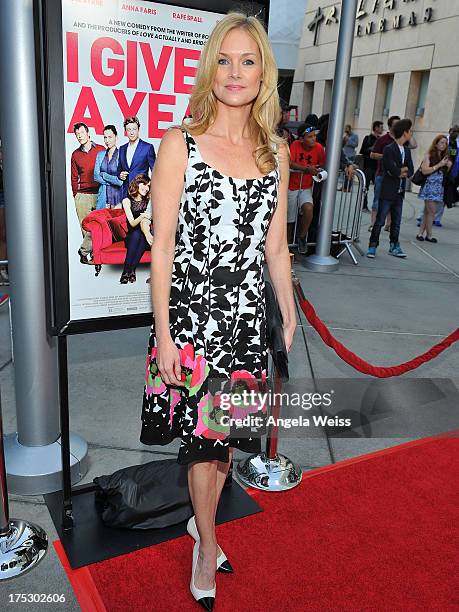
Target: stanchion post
<point>322,261</point>
<point>67,514</point>
<point>33,453</point>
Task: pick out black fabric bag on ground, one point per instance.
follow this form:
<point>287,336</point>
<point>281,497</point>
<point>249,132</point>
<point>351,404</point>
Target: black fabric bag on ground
<point>147,496</point>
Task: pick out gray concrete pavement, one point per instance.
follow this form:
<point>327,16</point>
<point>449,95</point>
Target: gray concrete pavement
<point>386,310</point>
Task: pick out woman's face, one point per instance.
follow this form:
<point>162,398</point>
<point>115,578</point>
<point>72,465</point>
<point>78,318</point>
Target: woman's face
<point>239,71</point>
<point>144,188</point>
<point>442,145</point>
<point>109,139</point>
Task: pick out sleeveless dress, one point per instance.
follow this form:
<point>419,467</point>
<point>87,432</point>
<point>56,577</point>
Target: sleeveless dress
<point>433,189</point>
<point>216,312</point>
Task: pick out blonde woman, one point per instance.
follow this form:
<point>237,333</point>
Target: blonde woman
<point>223,176</point>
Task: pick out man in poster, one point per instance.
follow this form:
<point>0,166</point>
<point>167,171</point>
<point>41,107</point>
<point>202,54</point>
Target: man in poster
<point>84,187</point>
<point>135,157</point>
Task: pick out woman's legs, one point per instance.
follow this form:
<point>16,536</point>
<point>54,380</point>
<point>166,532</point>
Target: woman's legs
<point>427,221</point>
<point>439,212</point>
<point>202,484</point>
<point>205,481</point>
<point>136,246</point>
<point>222,473</point>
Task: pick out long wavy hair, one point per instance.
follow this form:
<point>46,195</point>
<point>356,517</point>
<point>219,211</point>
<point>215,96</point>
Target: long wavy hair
<point>133,189</point>
<point>265,112</point>
<point>435,155</point>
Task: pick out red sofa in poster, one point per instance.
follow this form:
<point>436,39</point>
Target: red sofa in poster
<point>108,227</point>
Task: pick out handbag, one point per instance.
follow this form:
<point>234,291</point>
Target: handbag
<point>419,178</point>
<point>151,495</point>
<point>275,333</point>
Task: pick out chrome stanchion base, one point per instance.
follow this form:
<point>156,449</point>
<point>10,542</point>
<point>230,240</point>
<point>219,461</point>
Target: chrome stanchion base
<point>321,263</point>
<point>260,472</point>
<point>21,549</point>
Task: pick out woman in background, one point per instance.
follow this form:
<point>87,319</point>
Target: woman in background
<point>435,165</point>
<point>138,239</point>
<point>105,172</point>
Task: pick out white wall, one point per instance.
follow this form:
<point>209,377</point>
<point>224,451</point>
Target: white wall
<point>285,27</point>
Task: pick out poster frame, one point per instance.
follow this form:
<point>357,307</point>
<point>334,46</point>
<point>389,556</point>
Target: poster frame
<point>50,93</point>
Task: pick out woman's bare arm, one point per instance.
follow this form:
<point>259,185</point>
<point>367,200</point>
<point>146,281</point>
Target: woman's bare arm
<point>277,254</point>
<point>166,191</point>
<point>427,169</point>
<point>130,217</point>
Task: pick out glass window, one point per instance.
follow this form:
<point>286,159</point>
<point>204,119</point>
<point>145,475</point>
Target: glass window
<point>358,97</point>
<point>423,87</point>
<point>388,96</point>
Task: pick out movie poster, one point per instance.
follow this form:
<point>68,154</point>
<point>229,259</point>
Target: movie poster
<point>122,60</point>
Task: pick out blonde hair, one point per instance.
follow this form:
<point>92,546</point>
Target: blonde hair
<point>266,113</point>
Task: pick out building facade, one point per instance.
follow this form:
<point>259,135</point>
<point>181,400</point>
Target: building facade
<point>405,62</point>
<point>284,36</point>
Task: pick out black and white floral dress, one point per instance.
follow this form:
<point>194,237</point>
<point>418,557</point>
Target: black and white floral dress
<point>216,313</point>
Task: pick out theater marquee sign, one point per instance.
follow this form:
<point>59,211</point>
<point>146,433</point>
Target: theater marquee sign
<point>374,16</point>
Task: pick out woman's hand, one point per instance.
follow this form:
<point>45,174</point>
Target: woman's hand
<point>289,331</point>
<point>444,161</point>
<point>168,360</point>
<point>149,238</point>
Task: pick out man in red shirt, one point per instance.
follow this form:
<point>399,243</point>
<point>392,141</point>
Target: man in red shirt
<point>84,187</point>
<point>306,157</point>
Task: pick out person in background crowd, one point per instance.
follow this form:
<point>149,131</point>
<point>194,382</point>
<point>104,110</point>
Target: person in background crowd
<point>350,144</point>
<point>137,207</point>
<point>452,178</point>
<point>282,130</point>
<point>322,137</point>
<point>370,165</point>
<point>306,156</point>
<point>345,165</point>
<point>377,154</point>
<point>4,279</point>
<point>106,172</point>
<point>451,185</point>
<point>312,119</point>
<point>435,165</point>
<point>397,166</point>
<point>135,157</point>
<point>84,187</point>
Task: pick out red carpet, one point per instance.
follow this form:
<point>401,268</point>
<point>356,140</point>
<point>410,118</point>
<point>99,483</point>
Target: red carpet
<point>375,533</point>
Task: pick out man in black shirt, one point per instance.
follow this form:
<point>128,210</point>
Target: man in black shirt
<point>370,165</point>
<point>397,166</point>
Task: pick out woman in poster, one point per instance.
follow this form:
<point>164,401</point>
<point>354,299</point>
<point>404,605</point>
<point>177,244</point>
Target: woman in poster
<point>220,183</point>
<point>106,172</point>
<point>138,239</point>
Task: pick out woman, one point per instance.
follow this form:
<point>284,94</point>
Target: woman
<point>138,238</point>
<point>105,172</point>
<point>435,164</point>
<point>207,284</point>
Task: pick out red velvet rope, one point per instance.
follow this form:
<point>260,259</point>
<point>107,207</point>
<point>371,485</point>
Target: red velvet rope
<point>363,366</point>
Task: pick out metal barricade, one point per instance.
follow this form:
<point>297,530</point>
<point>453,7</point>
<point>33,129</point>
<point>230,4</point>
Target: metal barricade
<point>347,220</point>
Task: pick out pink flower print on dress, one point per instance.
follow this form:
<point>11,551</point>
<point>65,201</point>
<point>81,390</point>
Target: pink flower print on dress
<point>175,397</point>
<point>209,423</point>
<point>240,408</point>
<point>154,384</point>
<point>200,372</point>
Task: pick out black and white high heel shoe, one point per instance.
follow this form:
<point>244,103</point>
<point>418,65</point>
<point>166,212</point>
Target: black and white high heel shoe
<point>223,565</point>
<point>205,598</point>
